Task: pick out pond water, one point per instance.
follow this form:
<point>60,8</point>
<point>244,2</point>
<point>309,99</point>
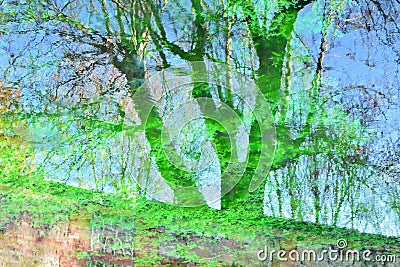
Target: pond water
<point>353,179</point>
<point>70,71</point>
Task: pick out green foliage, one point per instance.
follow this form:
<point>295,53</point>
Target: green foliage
<point>23,189</point>
<point>49,203</point>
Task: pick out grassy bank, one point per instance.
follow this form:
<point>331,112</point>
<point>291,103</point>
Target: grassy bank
<point>24,191</point>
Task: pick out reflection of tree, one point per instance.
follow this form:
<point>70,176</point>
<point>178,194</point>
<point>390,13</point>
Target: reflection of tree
<point>127,29</point>
<point>335,178</point>
<point>136,20</point>
<point>244,34</point>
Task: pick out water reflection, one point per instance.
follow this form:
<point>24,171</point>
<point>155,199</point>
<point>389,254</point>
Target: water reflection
<point>355,185</point>
<point>337,109</point>
<point>77,65</point>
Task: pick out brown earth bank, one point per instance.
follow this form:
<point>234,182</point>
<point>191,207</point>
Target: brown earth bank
<point>22,244</point>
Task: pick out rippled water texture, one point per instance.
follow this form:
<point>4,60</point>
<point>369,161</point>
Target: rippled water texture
<point>69,72</point>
